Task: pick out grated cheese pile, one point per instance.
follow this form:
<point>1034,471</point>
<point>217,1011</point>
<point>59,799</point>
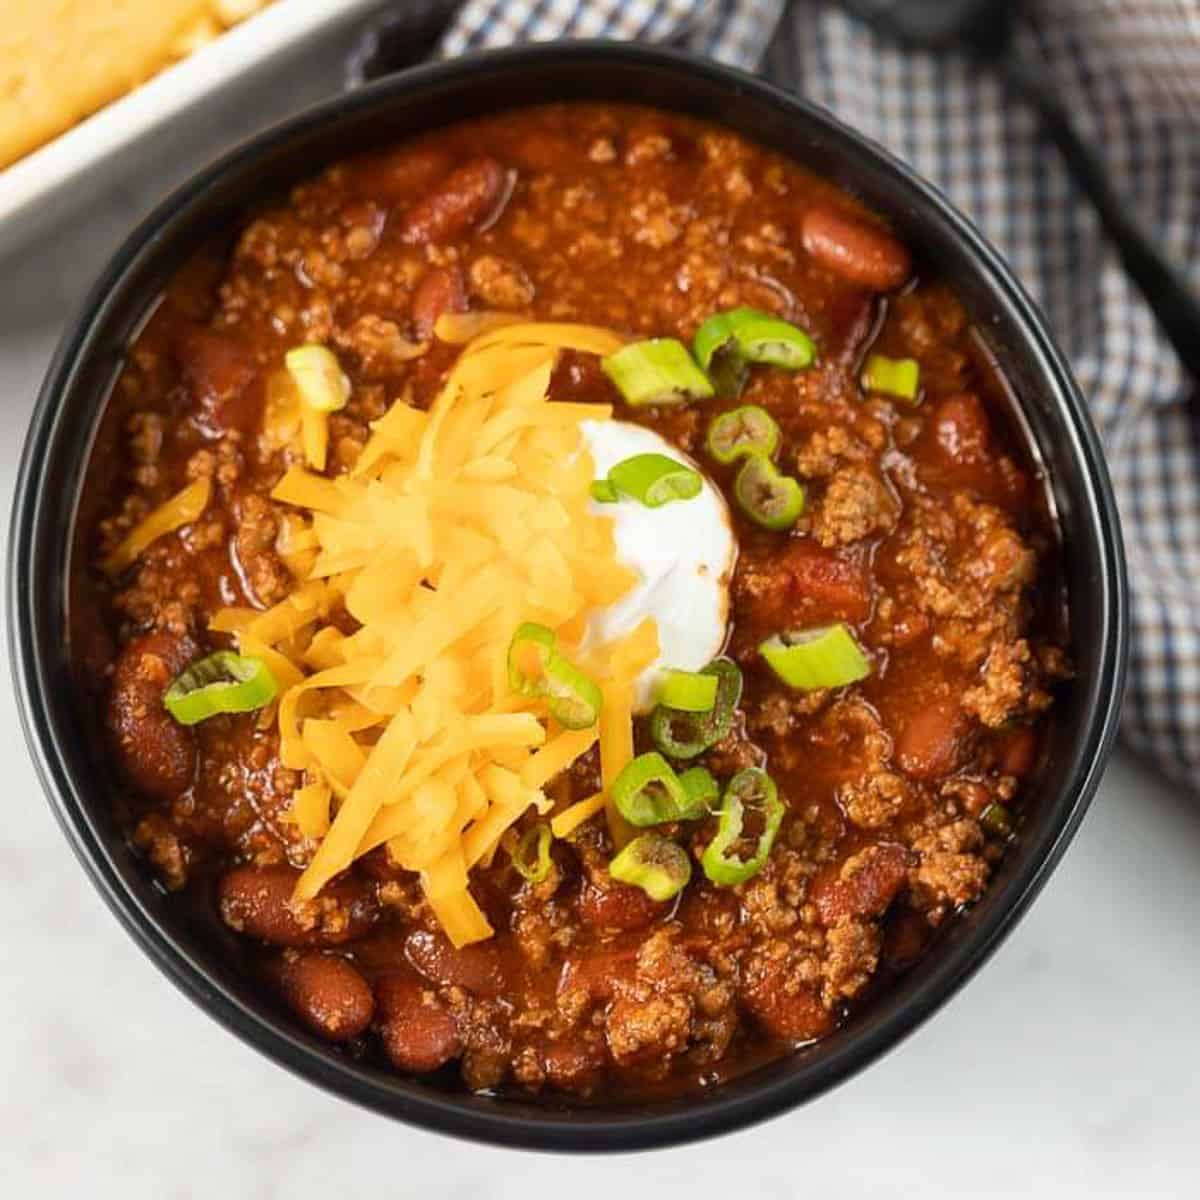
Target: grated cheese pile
<point>454,526</point>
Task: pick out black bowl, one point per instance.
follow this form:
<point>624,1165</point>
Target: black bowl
<point>64,429</point>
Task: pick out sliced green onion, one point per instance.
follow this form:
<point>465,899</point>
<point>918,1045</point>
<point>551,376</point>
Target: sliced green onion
<point>768,497</point>
<point>746,430</point>
<point>688,691</point>
<point>573,698</point>
<point>765,338</point>
<point>659,371</point>
<point>655,864</point>
<point>531,856</point>
<point>899,377</point>
<point>529,654</point>
<point>702,791</point>
<point>728,341</point>
<point>223,682</point>
<point>648,792</point>
<point>996,820</point>
<point>683,735</point>
<point>655,479</point>
<point>319,379</point>
<point>754,789</point>
<point>536,668</point>
<point>603,491</point>
<point>717,351</point>
<point>826,657</point>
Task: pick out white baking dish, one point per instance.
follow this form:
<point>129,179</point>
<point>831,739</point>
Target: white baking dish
<point>36,190</point>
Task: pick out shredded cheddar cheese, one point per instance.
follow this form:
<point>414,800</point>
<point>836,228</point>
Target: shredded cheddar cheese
<point>182,509</point>
<point>453,527</point>
<point>563,824</point>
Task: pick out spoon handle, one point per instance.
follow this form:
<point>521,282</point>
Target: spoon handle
<point>1164,288</point>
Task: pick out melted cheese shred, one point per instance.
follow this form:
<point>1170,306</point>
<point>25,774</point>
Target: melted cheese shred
<point>181,509</point>
<point>455,525</point>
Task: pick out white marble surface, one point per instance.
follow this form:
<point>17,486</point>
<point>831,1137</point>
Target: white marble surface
<point>1069,1067</point>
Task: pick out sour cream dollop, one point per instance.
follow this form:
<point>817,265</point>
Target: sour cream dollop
<point>684,554</point>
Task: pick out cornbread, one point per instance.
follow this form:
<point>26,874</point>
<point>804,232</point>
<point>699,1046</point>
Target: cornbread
<point>61,60</point>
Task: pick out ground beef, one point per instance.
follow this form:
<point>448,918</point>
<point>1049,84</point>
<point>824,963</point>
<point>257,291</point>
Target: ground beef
<point>167,852</point>
<point>381,345</point>
<point>874,799</point>
<point>500,283</point>
<point>826,450</point>
<point>1008,686</point>
<point>855,504</point>
<point>951,872</point>
<point>258,527</point>
<point>655,1028</point>
<point>851,955</point>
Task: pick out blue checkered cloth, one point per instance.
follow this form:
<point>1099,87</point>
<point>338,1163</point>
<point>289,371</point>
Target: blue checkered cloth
<point>1130,71</point>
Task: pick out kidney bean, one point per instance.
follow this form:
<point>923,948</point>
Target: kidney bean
<point>328,994</point>
<point>417,1030</point>
<point>856,250</point>
<point>222,377</point>
<point>930,741</point>
<point>257,901</point>
<point>466,197</point>
<point>957,449</point>
<point>861,886</point>
<point>478,968</point>
<point>962,430</point>
<point>157,755</point>
<point>595,972</point>
<point>441,291</point>
<point>617,906</point>
<point>784,1007</point>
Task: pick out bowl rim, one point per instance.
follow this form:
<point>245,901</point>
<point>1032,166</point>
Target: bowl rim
<point>579,1128</point>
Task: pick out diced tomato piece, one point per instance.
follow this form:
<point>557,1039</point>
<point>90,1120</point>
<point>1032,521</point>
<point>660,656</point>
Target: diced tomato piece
<point>824,583</point>
<point>802,583</point>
